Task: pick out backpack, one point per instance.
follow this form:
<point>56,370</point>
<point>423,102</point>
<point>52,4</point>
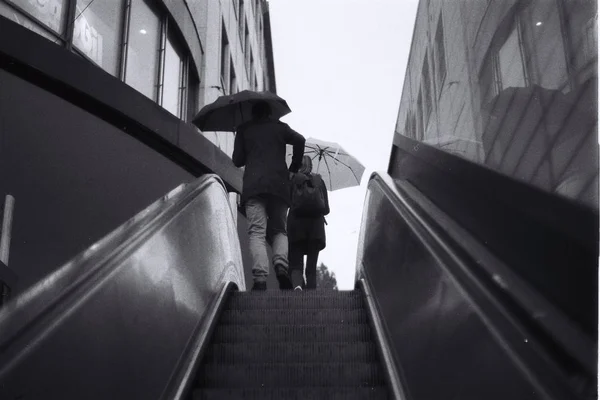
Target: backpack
<point>307,198</point>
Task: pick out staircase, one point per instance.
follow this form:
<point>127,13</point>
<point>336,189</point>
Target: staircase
<point>292,345</point>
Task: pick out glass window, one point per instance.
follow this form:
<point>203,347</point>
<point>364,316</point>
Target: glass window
<point>510,62</point>
<point>224,60</point>
<point>247,48</point>
<point>97,32</point>
<point>440,53</point>
<point>142,48</point>
<point>193,92</point>
<point>545,45</point>
<point>51,13</point>
<point>241,18</point>
<point>426,92</point>
<point>173,79</point>
<point>232,78</point>
<point>18,17</point>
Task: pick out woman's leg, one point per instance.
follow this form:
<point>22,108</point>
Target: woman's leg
<point>311,267</point>
<point>296,259</point>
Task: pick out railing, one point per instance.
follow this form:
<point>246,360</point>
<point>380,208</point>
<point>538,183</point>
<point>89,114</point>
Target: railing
<point>459,323</point>
<point>125,318</point>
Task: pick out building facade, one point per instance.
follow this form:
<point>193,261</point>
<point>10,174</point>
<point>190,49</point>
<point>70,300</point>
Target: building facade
<point>94,108</point>
<point>238,52</point>
<point>511,85</point>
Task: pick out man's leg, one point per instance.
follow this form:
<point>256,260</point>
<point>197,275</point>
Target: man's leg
<point>257,232</point>
<point>277,212</point>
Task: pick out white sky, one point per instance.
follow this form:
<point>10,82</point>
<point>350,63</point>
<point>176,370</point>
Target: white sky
<point>340,65</point>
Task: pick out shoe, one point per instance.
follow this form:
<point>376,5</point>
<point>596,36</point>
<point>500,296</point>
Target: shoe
<point>285,283</point>
<point>259,286</point>
<point>298,288</point>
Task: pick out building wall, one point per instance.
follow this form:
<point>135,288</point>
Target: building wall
<point>518,93</point>
<point>97,133</point>
<point>225,34</point>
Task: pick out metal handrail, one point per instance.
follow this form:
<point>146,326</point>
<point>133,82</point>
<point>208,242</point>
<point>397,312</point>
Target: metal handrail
<point>384,349</point>
<point>182,379</point>
<point>145,251</point>
<point>506,318</point>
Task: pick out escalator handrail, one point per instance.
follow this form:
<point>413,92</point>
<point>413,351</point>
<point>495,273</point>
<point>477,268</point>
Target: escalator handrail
<point>383,347</point>
<point>32,311</point>
<point>414,210</point>
<point>183,376</point>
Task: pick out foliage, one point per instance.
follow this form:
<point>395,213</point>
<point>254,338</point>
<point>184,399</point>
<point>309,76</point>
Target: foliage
<point>325,278</point>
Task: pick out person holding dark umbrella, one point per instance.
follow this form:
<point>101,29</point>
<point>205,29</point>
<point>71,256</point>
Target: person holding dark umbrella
<point>260,146</point>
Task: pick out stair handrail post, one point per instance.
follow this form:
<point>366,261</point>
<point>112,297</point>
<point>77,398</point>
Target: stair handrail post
<point>9,206</point>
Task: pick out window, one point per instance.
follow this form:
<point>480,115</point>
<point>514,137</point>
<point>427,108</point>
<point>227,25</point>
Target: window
<point>142,49</point>
<point>511,68</point>
<point>543,42</point>
<point>241,18</point>
<point>419,127</point>
<point>174,85</point>
<point>20,18</point>
<point>97,32</point>
<point>528,51</point>
<point>247,47</point>
<point>232,78</point>
<point>148,56</point>
<point>224,60</point>
<point>51,13</point>
<point>251,70</point>
<point>426,88</point>
<point>440,55</point>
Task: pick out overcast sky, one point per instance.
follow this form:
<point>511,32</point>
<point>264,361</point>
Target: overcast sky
<point>340,64</point>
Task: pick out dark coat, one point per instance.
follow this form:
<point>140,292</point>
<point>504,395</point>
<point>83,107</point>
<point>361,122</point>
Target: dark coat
<point>303,231</point>
<point>261,147</point>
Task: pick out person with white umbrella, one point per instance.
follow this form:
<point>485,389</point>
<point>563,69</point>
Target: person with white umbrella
<point>306,224</point>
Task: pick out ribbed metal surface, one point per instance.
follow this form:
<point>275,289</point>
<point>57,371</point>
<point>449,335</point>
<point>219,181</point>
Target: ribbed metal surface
<point>351,352</point>
<point>289,317</point>
<point>291,333</point>
<point>292,345</point>
<point>294,300</point>
<point>332,393</point>
<point>290,375</point>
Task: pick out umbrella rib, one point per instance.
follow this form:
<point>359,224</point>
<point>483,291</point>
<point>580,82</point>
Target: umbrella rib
<point>340,152</point>
<point>350,168</point>
<point>329,172</point>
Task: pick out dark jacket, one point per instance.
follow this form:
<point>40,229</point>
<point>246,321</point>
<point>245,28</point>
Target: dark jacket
<point>303,231</point>
<point>261,147</point>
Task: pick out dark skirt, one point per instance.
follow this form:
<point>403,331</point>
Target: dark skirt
<point>306,231</point>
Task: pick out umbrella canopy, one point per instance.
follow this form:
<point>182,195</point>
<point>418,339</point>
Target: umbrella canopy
<point>336,166</point>
<point>228,112</point>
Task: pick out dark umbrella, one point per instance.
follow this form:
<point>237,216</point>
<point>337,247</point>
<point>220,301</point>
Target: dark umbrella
<point>228,112</point>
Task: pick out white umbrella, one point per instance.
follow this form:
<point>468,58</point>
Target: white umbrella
<point>336,166</point>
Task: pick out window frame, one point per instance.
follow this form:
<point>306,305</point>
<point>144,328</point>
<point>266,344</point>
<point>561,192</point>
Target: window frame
<point>189,80</point>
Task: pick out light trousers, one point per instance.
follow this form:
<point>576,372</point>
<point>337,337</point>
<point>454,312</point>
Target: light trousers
<point>267,217</point>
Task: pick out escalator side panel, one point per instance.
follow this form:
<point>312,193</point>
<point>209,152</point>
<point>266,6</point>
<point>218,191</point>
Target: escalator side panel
<point>443,347</point>
<point>121,332</point>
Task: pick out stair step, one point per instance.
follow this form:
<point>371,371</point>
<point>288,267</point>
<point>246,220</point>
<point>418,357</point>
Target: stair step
<point>292,375</point>
<point>291,333</point>
<point>335,393</point>
<point>289,317</point>
<point>294,300</point>
<point>229,353</point>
